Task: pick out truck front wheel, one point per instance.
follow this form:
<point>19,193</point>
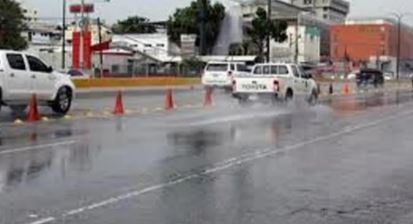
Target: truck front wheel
<point>1,98</point>
<point>63,101</point>
<point>313,98</point>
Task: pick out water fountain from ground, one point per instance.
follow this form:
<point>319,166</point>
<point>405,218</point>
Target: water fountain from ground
<point>231,28</point>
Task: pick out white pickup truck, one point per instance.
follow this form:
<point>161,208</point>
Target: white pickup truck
<point>22,75</point>
<point>221,74</point>
<point>278,81</point>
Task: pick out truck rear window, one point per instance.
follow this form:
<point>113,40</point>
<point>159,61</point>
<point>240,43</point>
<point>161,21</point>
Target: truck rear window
<point>217,67</point>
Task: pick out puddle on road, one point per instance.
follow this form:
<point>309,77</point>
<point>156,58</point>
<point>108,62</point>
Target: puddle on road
<point>361,103</point>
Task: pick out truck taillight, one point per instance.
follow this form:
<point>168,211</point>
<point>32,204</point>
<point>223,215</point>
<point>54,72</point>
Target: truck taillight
<point>276,85</point>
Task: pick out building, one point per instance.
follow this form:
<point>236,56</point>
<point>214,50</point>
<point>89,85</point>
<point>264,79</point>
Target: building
<point>335,11</point>
<point>30,14</point>
<point>373,43</point>
<point>308,36</point>
<point>105,32</point>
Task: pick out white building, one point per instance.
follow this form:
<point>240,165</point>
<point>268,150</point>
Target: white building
<point>304,48</point>
<point>312,41</point>
<point>156,46</point>
<point>334,11</point>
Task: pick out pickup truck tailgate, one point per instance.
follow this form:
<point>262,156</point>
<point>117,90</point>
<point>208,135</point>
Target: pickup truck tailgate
<point>254,85</point>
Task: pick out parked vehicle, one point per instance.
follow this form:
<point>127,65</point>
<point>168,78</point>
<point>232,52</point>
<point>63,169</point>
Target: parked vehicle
<point>370,77</point>
<point>76,74</point>
<point>276,81</point>
<point>221,74</point>
<point>22,75</point>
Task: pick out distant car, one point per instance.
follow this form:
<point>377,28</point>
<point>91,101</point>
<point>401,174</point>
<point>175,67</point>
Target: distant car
<point>221,74</point>
<point>22,74</point>
<point>368,77</point>
<point>351,76</point>
<point>388,76</point>
<point>77,74</point>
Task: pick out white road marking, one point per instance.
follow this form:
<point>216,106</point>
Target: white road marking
<point>44,221</point>
<point>35,147</point>
<point>221,166</point>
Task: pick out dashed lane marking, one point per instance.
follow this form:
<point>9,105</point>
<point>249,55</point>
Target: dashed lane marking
<point>35,147</point>
<point>221,166</point>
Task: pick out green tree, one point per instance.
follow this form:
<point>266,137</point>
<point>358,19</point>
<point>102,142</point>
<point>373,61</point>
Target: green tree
<point>11,25</point>
<point>134,24</point>
<point>236,49</point>
<point>262,28</point>
<point>187,20</point>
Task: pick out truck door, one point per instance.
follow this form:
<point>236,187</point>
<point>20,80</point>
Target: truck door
<point>17,81</point>
<point>299,81</point>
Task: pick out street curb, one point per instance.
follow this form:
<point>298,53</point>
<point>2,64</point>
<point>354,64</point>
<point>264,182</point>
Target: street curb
<point>135,82</point>
<point>87,93</point>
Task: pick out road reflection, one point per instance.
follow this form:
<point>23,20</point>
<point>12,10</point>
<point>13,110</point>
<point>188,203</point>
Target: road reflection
<point>24,168</point>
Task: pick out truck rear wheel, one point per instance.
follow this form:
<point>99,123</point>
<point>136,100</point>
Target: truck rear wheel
<point>243,99</point>
<point>289,95</point>
<point>313,99</point>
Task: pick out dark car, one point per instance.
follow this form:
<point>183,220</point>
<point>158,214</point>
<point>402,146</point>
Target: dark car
<point>370,77</point>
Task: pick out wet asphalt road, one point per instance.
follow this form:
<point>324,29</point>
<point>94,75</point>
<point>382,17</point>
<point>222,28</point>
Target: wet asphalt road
<point>348,160</point>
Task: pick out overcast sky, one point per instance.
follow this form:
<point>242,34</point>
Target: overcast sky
<point>161,9</point>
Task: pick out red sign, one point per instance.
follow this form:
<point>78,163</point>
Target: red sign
<point>78,8</point>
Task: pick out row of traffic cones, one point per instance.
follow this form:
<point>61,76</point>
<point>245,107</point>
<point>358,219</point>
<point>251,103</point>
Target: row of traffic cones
<point>33,113</point>
<point>169,103</point>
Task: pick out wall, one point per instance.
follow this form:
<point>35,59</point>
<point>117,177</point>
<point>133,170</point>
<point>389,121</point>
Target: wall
<point>359,42</point>
<point>308,45</point>
<point>364,41</point>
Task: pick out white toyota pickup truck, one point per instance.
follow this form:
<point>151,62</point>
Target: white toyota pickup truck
<point>22,75</point>
<point>277,81</point>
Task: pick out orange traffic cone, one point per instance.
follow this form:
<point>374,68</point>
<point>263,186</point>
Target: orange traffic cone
<point>118,109</point>
<point>169,100</point>
<point>346,88</point>
<point>208,97</point>
<point>33,114</point>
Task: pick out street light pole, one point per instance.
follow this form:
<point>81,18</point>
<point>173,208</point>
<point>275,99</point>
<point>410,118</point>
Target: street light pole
<point>269,14</point>
<point>202,31</point>
<point>398,47</point>
<point>64,36</point>
<point>399,17</point>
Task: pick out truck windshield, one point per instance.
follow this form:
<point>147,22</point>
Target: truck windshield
<point>217,67</point>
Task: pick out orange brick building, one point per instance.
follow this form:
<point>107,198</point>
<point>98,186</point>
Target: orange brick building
<point>362,40</point>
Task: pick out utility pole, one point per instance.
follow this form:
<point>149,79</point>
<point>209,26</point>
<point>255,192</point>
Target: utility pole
<point>399,26</point>
<point>82,30</point>
<point>202,26</point>
<point>399,17</point>
<point>269,14</point>
<point>297,30</point>
<point>100,51</point>
<point>64,36</point>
